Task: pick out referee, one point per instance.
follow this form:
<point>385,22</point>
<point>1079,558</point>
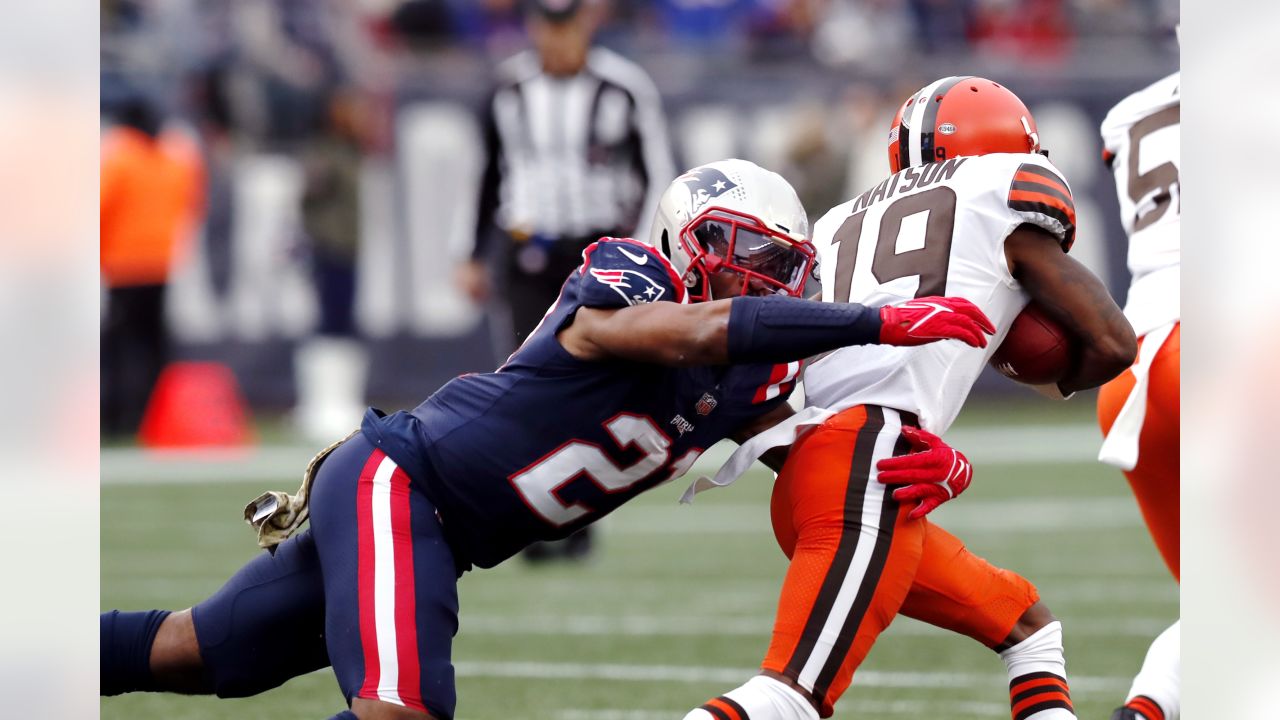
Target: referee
<point>577,150</point>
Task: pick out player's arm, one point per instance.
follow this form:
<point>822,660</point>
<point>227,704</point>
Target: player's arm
<point>1075,297</point>
<point>763,329</point>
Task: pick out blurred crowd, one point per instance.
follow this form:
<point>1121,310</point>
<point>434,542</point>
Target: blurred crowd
<point>265,73</point>
<point>296,50</point>
<point>323,85</point>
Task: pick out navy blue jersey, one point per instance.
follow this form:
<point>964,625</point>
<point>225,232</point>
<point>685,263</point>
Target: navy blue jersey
<point>550,443</point>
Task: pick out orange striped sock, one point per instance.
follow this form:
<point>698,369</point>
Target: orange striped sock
<point>724,708</point>
<point>1040,696</point>
<point>1145,706</point>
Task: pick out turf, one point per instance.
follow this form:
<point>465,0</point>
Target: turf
<point>677,604</point>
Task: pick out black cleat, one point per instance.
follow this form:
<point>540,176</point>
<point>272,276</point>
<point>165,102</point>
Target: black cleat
<point>1127,713</point>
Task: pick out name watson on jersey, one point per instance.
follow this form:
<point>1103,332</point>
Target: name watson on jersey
<point>906,180</point>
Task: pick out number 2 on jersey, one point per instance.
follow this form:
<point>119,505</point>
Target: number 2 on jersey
<point>539,483</point>
<point>930,258</point>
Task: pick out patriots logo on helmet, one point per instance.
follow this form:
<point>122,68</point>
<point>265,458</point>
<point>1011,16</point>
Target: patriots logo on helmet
<point>634,287</point>
<point>705,183</point>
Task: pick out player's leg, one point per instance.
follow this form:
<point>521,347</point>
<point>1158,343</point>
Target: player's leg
<point>391,602</point>
<point>1155,479</point>
<point>853,554</point>
<point>959,591</point>
<point>263,627</point>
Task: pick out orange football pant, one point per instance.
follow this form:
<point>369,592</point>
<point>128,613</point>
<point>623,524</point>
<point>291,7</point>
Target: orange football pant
<point>857,561</point>
<point>1156,480</point>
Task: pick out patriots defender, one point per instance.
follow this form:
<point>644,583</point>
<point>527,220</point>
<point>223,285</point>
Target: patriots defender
<point>651,353</point>
<point>1139,411</point>
<point>972,209</point>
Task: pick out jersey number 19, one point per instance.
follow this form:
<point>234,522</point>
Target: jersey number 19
<point>930,240</point>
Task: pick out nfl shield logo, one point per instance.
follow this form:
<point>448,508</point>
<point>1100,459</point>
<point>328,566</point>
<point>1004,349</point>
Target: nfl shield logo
<point>706,404</point>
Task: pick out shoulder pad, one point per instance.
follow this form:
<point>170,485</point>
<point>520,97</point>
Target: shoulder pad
<point>1040,196</point>
<point>619,272</point>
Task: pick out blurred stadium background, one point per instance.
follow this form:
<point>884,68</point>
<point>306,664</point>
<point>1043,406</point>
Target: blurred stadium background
<point>678,602</point>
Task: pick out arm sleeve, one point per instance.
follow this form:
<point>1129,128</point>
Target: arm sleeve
<point>779,329</point>
<point>616,273</point>
<point>1040,196</point>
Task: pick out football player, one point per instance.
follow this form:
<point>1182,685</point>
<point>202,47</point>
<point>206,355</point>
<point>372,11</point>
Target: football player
<point>652,353</point>
<point>1139,411</point>
<point>972,208</point>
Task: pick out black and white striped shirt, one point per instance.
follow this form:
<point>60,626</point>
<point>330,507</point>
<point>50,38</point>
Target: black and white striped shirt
<point>572,157</point>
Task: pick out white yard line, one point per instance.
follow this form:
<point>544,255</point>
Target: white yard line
<point>857,707</point>
<point>681,626</point>
<point>618,672</point>
<point>989,445</point>
<point>133,466</point>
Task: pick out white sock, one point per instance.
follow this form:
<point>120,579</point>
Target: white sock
<point>1159,680</point>
<point>760,698</point>
<point>1038,676</point>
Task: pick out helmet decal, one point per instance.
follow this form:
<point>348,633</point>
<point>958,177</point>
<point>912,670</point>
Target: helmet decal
<point>734,218</point>
<point>705,183</point>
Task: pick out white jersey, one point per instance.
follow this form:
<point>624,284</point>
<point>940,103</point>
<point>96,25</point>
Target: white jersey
<point>935,229</point>
<point>1140,139</point>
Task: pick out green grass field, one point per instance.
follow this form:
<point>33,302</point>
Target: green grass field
<point>677,605</point>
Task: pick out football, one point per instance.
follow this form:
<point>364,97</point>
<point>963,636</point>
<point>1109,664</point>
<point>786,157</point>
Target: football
<point>1037,350</point>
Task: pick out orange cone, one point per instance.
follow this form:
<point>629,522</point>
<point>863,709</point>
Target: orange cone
<point>195,404</point>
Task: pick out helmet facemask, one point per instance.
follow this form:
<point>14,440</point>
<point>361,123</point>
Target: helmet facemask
<point>769,262</point>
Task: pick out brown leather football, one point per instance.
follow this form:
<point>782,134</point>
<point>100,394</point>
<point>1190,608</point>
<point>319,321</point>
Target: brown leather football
<point>1037,350</point>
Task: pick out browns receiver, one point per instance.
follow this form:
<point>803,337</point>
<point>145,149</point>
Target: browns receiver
<point>973,209</point>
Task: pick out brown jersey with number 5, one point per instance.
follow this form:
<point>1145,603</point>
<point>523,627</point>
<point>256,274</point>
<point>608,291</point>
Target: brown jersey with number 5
<point>934,229</point>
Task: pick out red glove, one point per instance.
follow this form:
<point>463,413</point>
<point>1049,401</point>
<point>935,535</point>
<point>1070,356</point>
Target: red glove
<point>927,319</point>
<point>933,474</point>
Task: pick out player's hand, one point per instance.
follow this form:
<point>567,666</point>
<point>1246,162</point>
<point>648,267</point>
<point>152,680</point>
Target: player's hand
<point>929,319</point>
<point>932,475</point>
<point>472,278</point>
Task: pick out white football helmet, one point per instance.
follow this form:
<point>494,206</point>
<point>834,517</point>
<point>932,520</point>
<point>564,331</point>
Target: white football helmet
<point>734,215</point>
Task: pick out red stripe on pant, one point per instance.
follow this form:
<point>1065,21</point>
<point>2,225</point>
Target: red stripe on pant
<point>393,541</point>
<point>410,686</point>
<point>365,575</point>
